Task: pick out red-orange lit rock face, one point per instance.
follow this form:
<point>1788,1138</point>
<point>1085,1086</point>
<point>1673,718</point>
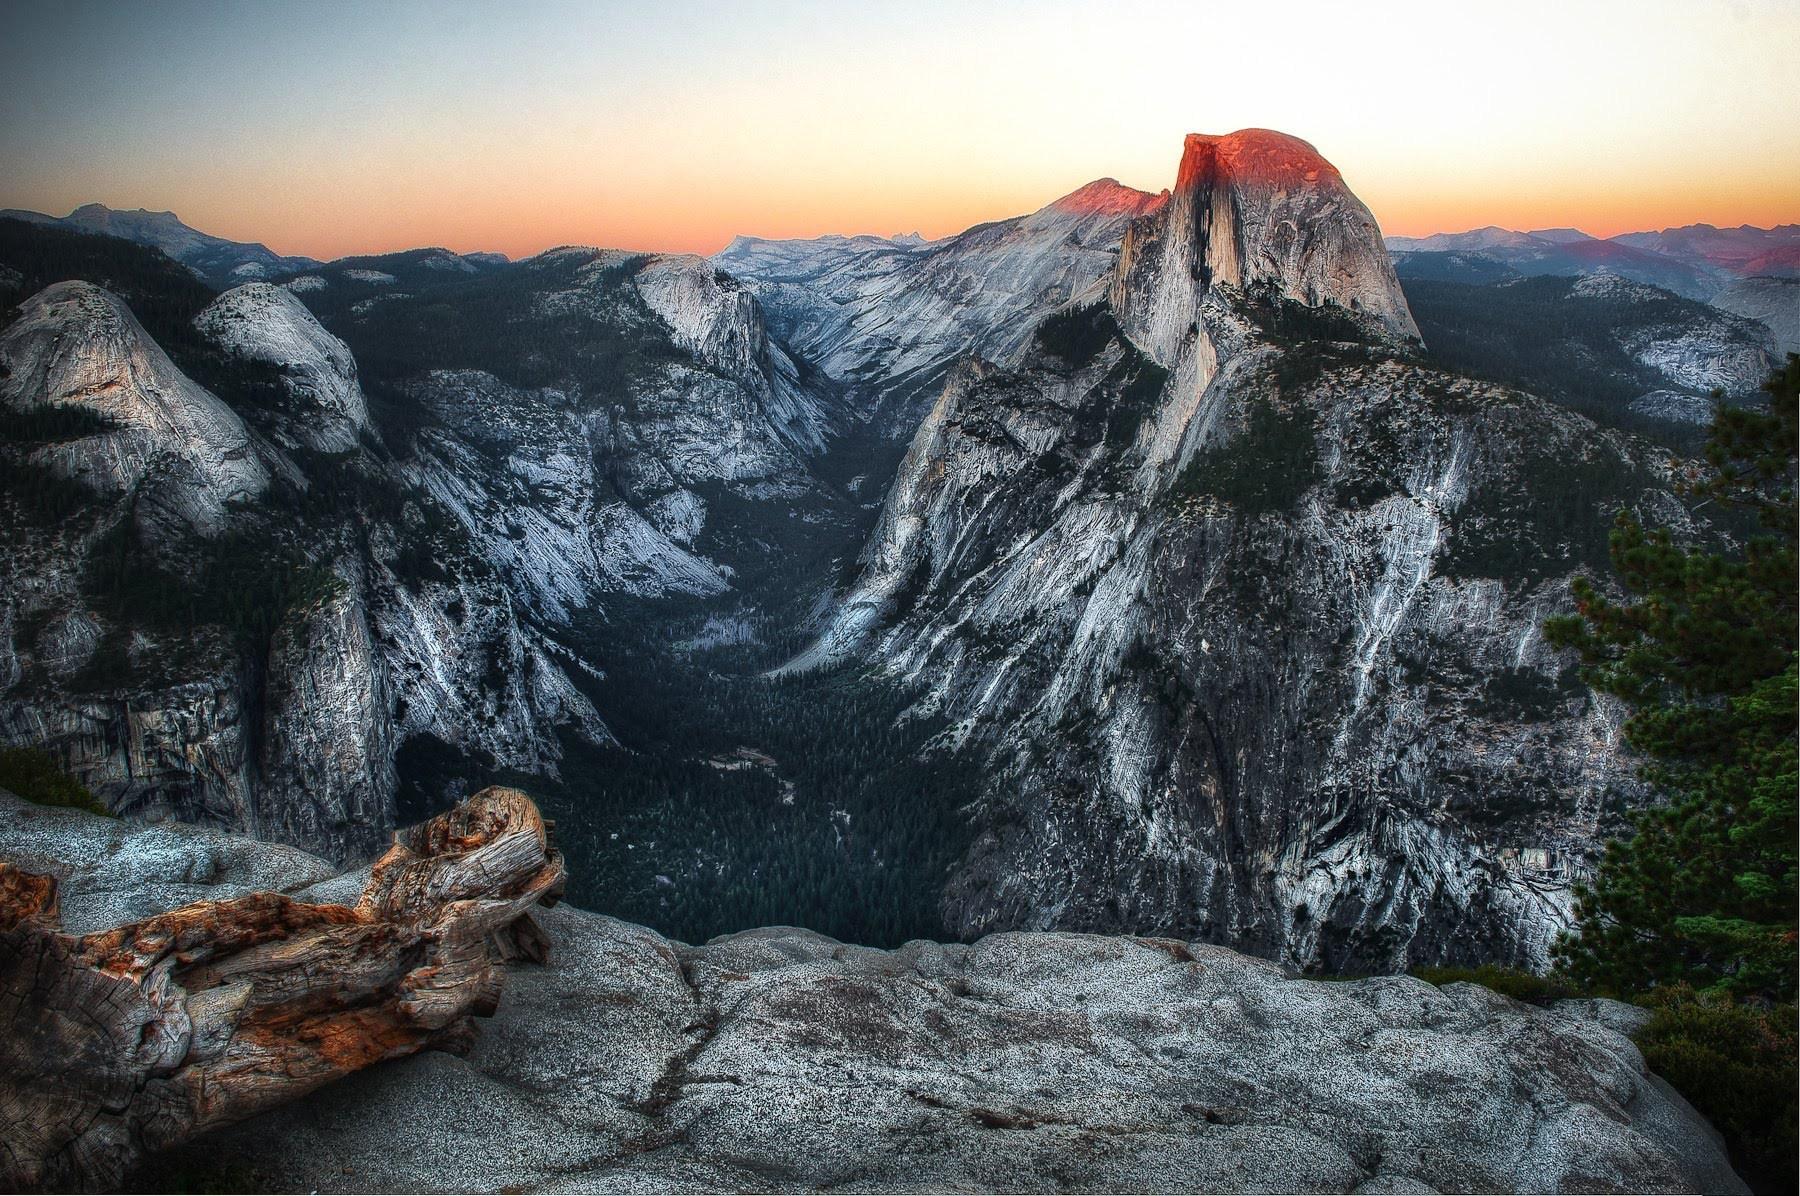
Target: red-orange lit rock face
<point>132,1039</point>
<point>1254,214</point>
<point>1250,157</point>
<point>1253,211</point>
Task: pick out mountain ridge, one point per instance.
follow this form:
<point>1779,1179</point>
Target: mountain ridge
<point>1078,559</point>
<point>216,259</point>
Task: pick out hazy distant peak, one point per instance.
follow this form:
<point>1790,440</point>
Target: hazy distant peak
<point>217,259</point>
<point>101,211</point>
<point>1560,236</point>
<point>1490,236</point>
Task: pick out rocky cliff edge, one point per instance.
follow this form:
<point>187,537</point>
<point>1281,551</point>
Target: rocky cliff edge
<point>778,1060</point>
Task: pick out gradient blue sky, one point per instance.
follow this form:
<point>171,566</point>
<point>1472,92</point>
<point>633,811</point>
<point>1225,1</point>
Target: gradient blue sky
<point>328,128</point>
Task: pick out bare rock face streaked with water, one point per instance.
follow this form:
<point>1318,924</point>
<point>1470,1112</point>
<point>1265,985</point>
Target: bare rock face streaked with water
<point>1242,604</point>
<point>780,1060</point>
<point>1236,600</point>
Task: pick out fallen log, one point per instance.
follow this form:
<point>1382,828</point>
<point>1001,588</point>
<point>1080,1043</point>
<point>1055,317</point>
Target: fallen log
<point>128,1041</point>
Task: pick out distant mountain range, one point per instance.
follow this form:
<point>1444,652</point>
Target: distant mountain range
<point>1696,260</point>
<point>215,259</point>
<point>219,261</point>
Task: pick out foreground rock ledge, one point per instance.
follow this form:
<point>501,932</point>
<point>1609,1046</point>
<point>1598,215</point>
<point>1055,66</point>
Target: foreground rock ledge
<point>780,1060</point>
<point>129,1040</point>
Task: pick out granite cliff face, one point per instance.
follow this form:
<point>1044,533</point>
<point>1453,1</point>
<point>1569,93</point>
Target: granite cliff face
<point>154,703</point>
<point>1771,301</point>
<point>780,1060</point>
<point>1235,599</point>
<point>713,316</point>
<point>182,456</point>
<point>1726,352</point>
<point>1242,603</point>
<point>1252,211</point>
<point>373,558</point>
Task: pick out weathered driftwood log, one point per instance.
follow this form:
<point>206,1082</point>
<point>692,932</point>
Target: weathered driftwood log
<point>130,1040</point>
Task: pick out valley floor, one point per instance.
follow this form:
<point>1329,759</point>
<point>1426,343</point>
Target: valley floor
<point>733,798</point>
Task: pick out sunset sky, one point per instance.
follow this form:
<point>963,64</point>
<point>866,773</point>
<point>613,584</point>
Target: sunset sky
<point>326,129</point>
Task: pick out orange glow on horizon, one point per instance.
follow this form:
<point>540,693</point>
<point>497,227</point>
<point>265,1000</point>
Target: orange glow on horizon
<point>289,223</point>
<point>677,126</point>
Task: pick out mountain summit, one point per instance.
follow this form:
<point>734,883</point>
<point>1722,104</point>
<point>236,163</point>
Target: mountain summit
<point>1107,197</point>
<point>1235,598</point>
<point>1254,210</point>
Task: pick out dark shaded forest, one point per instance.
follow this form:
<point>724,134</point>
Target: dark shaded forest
<point>1537,335</point>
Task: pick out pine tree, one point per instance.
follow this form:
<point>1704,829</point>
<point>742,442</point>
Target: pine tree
<point>1704,894</point>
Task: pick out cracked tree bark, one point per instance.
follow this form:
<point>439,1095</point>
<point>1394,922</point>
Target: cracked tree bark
<point>128,1041</point>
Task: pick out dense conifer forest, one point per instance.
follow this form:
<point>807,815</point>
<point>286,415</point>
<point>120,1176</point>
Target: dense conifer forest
<point>1540,336</point>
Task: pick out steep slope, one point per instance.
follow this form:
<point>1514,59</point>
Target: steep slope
<point>713,317</point>
<point>205,626</point>
<point>1253,210</point>
<point>263,323</point>
<point>1702,355</point>
<point>666,425</point>
<point>1624,353</point>
<point>319,585</point>
<point>891,315</point>
<point>801,283</point>
<point>532,480</point>
<point>1242,603</point>
<point>219,261</point>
